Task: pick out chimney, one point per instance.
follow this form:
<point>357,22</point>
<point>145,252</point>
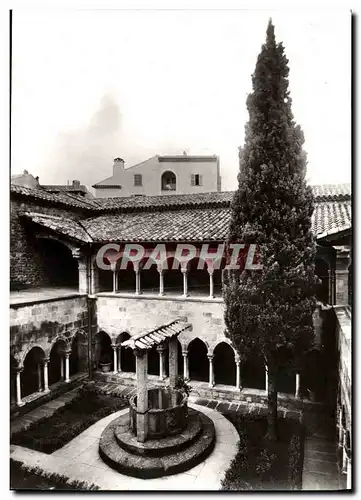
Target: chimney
<point>26,172</point>
<point>76,184</point>
<point>118,166</point>
<point>37,180</point>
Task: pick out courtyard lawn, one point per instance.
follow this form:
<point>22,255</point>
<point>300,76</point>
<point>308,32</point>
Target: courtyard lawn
<point>24,478</point>
<point>51,433</point>
<point>261,464</point>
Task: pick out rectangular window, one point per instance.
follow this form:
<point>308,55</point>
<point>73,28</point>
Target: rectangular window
<point>137,180</point>
<point>196,180</point>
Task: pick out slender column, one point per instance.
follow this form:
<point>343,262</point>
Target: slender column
<point>142,395</point>
<point>211,373</point>
<point>298,380</point>
<point>185,365</point>
<point>62,367</point>
<point>160,350</point>
<point>211,287</point>
<point>137,282</point>
<point>161,282</point>
<point>115,281</point>
<point>45,367</point>
<point>173,361</point>
<point>266,372</point>
<point>115,358</point>
<point>119,359</point>
<point>238,374</point>
<point>67,356</point>
<point>19,401</point>
<point>344,455</point>
<point>349,474</point>
<point>185,282</point>
<point>40,385</point>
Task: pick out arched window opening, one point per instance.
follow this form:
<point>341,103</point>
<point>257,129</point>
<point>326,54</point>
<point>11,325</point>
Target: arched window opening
<point>198,361</point>
<point>253,374</point>
<point>32,374</point>
<point>224,365</point>
<point>56,364</point>
<point>149,279</point>
<point>79,354</point>
<point>173,278</point>
<point>198,279</point>
<point>169,181</point>
<point>103,350</point>
<point>59,266</point>
<point>127,358</point>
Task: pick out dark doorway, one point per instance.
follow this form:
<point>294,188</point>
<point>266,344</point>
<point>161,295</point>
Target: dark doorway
<point>224,365</point>
<point>198,361</point>
<point>127,358</point>
<point>60,268</point>
<point>33,366</point>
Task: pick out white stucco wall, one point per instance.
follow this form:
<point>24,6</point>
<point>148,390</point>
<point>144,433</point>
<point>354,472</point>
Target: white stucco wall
<point>152,170</point>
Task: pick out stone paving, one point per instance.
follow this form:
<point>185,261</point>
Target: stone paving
<point>45,410</point>
<point>79,460</point>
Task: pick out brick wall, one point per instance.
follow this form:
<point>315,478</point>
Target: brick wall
<point>41,323</point>
<point>26,265</point>
<point>118,314</point>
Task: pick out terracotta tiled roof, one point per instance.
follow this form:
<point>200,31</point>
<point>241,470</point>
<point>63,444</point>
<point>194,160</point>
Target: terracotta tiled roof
<point>332,216</point>
<point>332,192</point>
<point>189,224</point>
<point>63,187</point>
<point>200,217</point>
<point>60,225</point>
<point>147,340</point>
<point>65,199</point>
<point>195,224</point>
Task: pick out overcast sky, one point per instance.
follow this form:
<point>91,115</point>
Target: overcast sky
<point>88,86</point>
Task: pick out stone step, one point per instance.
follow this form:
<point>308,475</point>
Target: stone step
<point>146,467</point>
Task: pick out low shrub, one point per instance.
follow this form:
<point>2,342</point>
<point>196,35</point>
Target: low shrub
<point>51,433</point>
<point>261,464</point>
<point>24,477</point>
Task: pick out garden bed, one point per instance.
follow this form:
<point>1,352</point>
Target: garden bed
<point>51,433</point>
<point>261,464</point>
<point>30,478</point>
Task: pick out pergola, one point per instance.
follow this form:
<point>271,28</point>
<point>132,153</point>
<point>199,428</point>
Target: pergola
<point>140,344</point>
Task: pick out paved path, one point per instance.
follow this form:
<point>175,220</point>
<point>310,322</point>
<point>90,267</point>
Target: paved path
<point>244,407</point>
<point>45,410</point>
<point>320,469</point>
<point>79,460</point>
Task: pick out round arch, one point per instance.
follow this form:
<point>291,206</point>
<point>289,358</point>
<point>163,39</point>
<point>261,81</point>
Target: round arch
<point>56,364</point>
<point>127,358</point>
<point>31,376</point>
<point>224,365</point>
<point>103,348</point>
<point>173,278</point>
<point>198,360</point>
<point>168,181</point>
<point>198,279</point>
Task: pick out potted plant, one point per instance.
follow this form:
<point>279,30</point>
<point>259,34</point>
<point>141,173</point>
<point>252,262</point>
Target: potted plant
<point>105,363</point>
<point>182,385</point>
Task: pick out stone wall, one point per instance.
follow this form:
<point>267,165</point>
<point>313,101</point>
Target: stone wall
<point>41,323</point>
<point>117,314</point>
<point>26,266</point>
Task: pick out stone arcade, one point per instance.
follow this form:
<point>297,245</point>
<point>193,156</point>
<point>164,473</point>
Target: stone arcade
<point>69,320</point>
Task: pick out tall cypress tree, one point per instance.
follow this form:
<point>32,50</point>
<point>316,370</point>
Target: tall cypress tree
<point>270,310</point>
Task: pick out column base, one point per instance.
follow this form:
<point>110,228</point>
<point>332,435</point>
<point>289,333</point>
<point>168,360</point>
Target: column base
<point>67,381</point>
<point>46,391</point>
<point>20,404</point>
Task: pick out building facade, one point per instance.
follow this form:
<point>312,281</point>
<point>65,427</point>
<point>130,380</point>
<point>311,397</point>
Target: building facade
<point>68,317</point>
<point>162,175</point>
